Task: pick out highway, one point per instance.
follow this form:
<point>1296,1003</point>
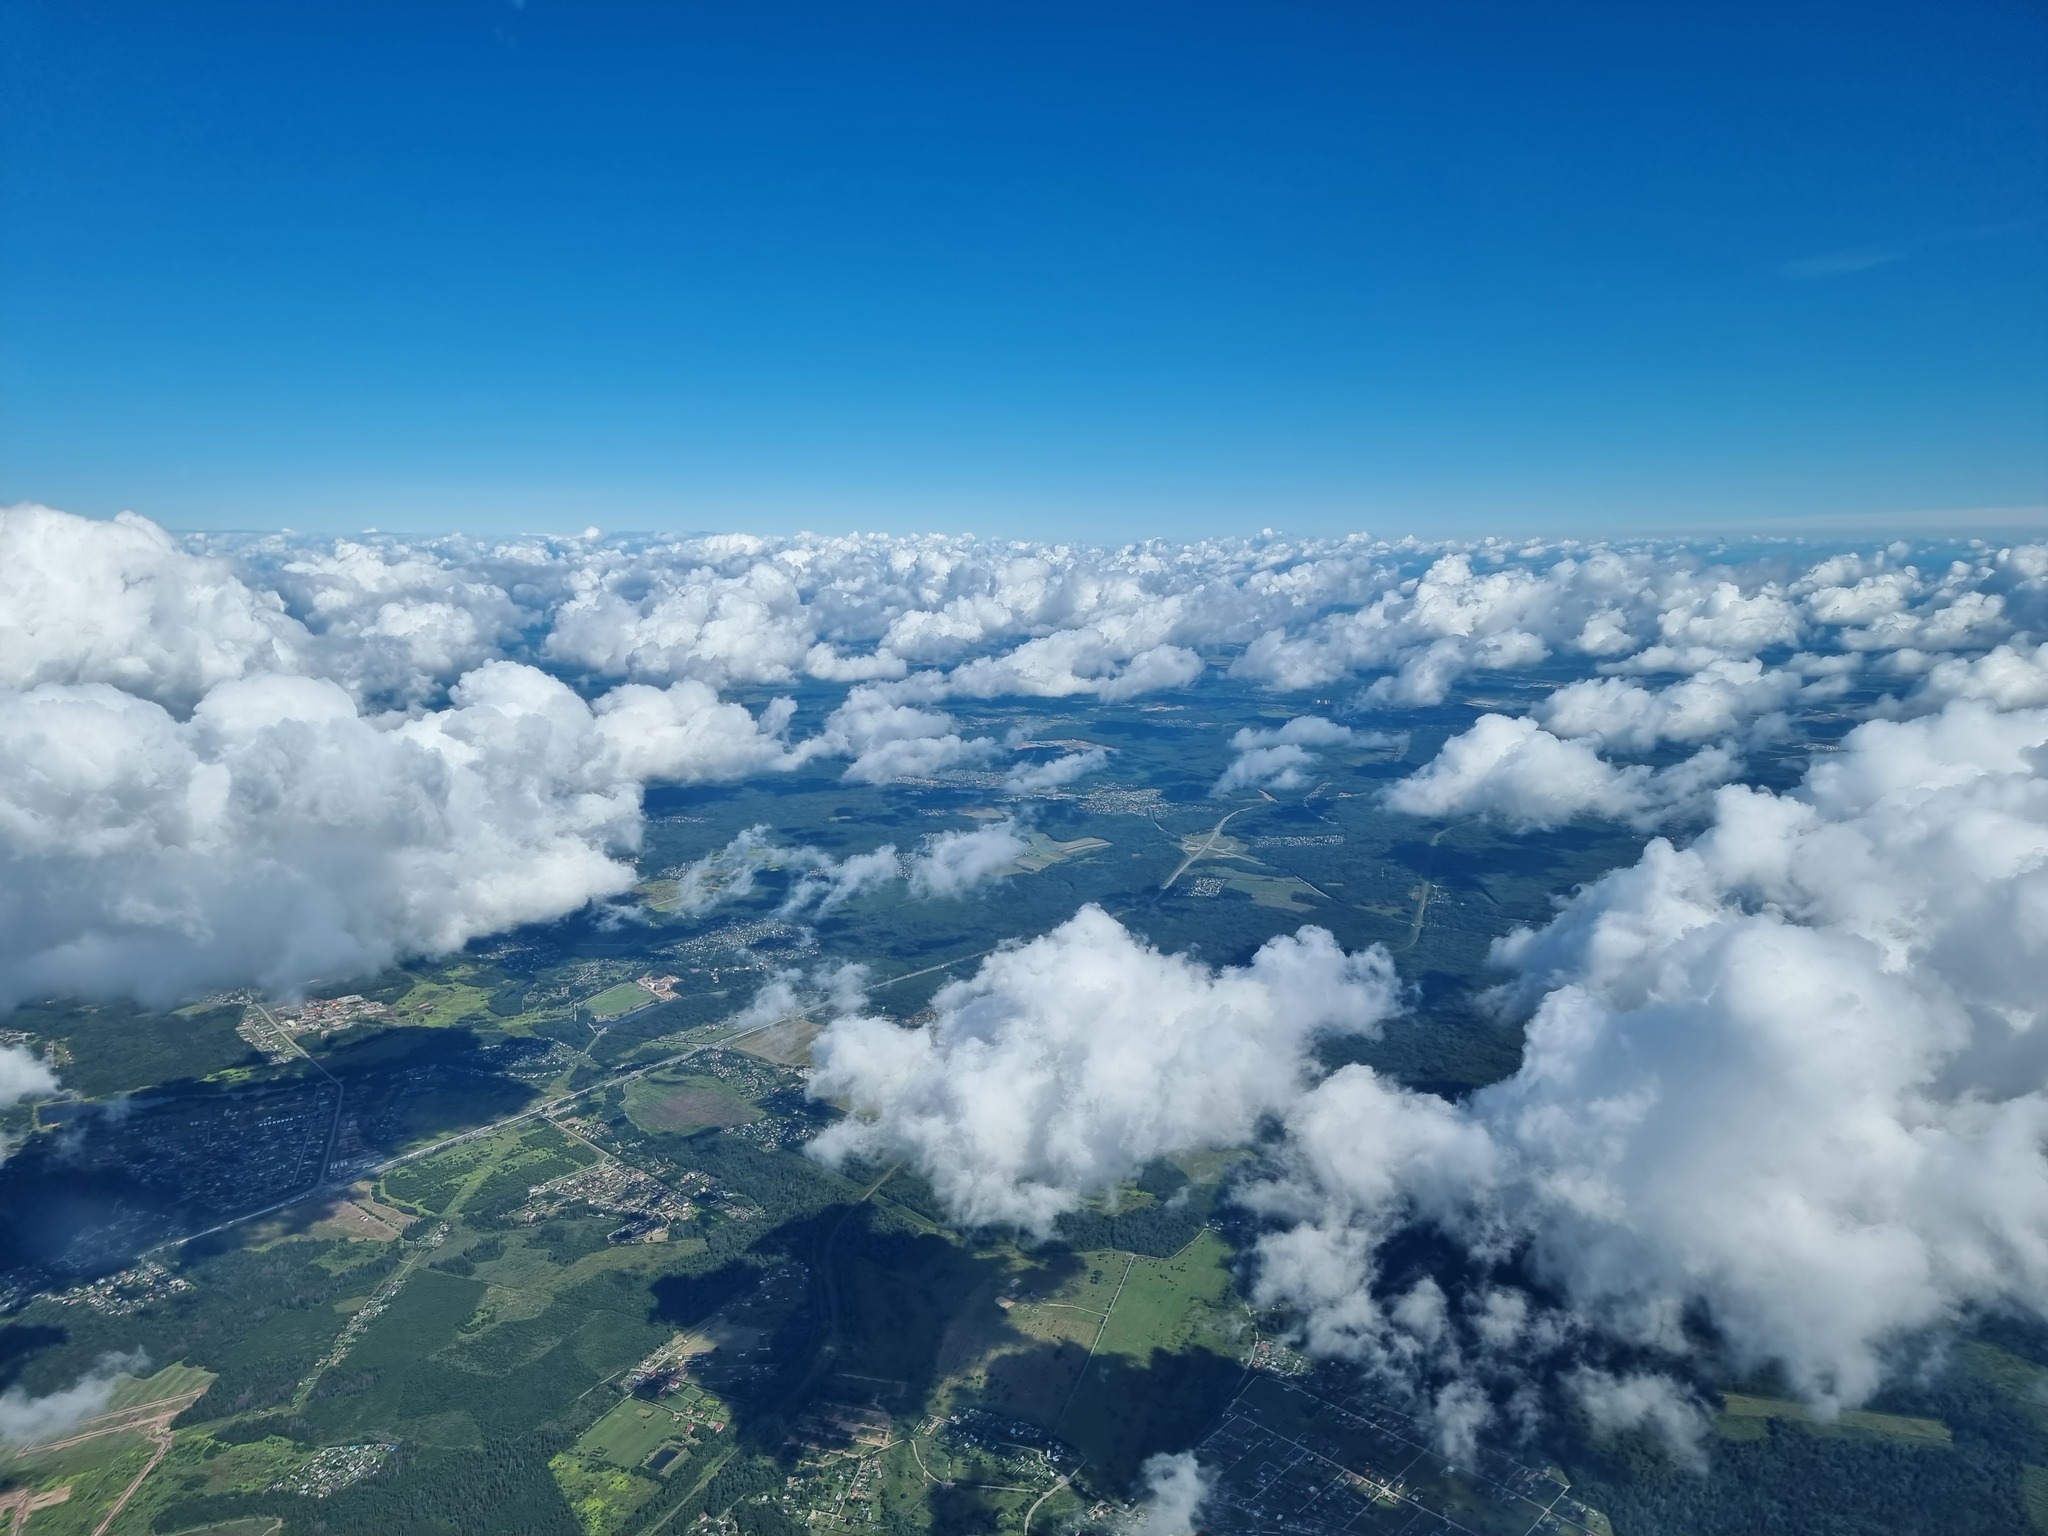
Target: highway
<point>1203,851</point>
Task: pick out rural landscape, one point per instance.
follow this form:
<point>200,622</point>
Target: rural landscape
<point>537,1226</point>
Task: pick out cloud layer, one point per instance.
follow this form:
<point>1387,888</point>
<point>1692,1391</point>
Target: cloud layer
<point>207,730</point>
<point>927,618</point>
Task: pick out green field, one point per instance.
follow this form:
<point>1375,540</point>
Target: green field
<point>604,1475</point>
<point>603,1498</point>
<point>1042,852</point>
<point>631,1432</point>
<point>203,1466</point>
<point>444,1000</point>
<point>1177,1303</point>
<point>1168,1360</point>
<point>1284,893</point>
<point>677,1104</point>
<point>171,1381</point>
<point>432,1183</point>
<point>1117,1390</point>
<point>96,1471</point>
<point>1738,1411</point>
<point>490,1173</point>
<point>623,999</point>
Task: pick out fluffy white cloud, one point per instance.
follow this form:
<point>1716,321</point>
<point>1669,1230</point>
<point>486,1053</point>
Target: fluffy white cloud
<point>953,863</point>
<point>1175,1488</point>
<point>1282,757</point>
<point>1483,610</point>
<point>1035,778</point>
<point>889,739</point>
<point>1724,620</point>
<point>683,734</point>
<point>1644,1399</point>
<point>2006,677</point>
<point>1362,1156</point>
<point>1075,661</point>
<point>1725,698</point>
<point>118,602</point>
<point>818,881</point>
<point>791,994</point>
<point>1066,1064</point>
<point>750,627</point>
<point>949,864</point>
<point>25,1420</point>
<point>279,835</point>
<point>23,1075</point>
<point>397,620</point>
<point>1794,1076</point>
<point>724,874</point>
<point>1513,770</point>
<point>194,791</point>
<point>827,882</point>
<point>1492,608</point>
<point>1163,666</point>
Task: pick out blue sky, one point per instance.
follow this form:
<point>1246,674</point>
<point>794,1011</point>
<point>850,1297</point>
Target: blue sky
<point>1098,271</point>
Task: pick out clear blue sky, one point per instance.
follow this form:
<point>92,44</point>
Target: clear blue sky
<point>1096,270</point>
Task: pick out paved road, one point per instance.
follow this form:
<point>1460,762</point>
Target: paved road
<point>1201,852</point>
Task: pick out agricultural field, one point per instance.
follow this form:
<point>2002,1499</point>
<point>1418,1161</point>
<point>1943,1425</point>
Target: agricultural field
<point>786,1044</point>
<point>614,1002</point>
<point>633,1431</point>
<point>447,999</point>
<point>679,1104</point>
<point>1169,1349</point>
<point>72,1489</point>
<point>1042,852</point>
<point>82,1476</point>
<point>1744,1418</point>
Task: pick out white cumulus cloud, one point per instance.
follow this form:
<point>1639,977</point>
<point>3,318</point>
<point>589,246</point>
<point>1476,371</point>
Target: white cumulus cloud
<point>1793,1076</point>
<point>23,1075</point>
<point>279,835</point>
<point>1784,1096</point>
<point>1066,1064</point>
<point>118,602</point>
<point>1724,699</point>
<point>1176,1487</point>
<point>1281,757</point>
<point>1513,770</point>
<point>1035,778</point>
<point>953,863</point>
<point>26,1420</point>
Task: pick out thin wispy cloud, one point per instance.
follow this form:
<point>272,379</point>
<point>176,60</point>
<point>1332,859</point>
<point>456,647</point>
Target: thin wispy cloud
<point>1842,263</point>
<point>1862,258</point>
